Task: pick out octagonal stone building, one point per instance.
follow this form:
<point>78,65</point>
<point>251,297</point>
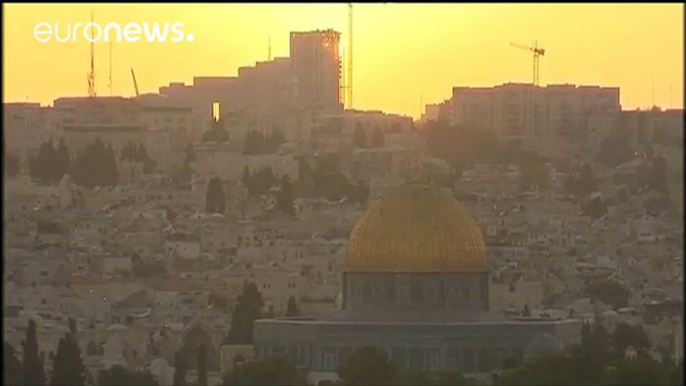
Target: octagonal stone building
<point>415,283</point>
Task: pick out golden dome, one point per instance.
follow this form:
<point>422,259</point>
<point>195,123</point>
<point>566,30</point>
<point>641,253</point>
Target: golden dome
<point>416,228</point>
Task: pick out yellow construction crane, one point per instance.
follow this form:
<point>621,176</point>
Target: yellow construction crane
<point>135,84</point>
<point>350,56</point>
<point>538,52</point>
<point>91,73</point>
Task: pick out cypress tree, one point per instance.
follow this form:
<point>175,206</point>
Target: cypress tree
<point>68,368</point>
<point>215,200</point>
<point>292,308</point>
<point>12,374</point>
<point>180,369</point>
<point>248,309</point>
<point>33,373</point>
<point>202,366</point>
<point>62,160</point>
<point>284,200</point>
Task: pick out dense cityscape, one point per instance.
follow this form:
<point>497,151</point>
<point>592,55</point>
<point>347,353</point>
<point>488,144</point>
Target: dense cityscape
<point>257,230</point>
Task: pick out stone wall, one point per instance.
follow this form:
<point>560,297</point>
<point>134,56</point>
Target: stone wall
<point>416,290</point>
<point>465,347</point>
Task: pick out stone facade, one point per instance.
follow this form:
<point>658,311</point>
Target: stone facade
<point>466,347</point>
<point>427,290</point>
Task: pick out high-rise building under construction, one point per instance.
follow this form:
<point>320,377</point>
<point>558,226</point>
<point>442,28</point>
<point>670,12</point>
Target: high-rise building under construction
<point>316,67</point>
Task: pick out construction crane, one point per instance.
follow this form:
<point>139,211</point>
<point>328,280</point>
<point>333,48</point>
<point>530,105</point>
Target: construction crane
<point>538,52</point>
<point>135,84</point>
<point>350,56</point>
<point>91,73</point>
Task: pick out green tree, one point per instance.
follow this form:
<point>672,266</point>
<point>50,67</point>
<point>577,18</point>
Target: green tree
<point>534,173</point>
<point>12,373</point>
<point>609,292</point>
<point>142,156</point>
<point>119,375</point>
<point>329,180</point>
<point>254,143</point>
<point>62,160</point>
<point>360,137</point>
<point>437,378</point>
<point>45,166</point>
<point>248,309</point>
<point>215,201</point>
<point>184,174</point>
<point>245,180</point>
<point>274,140</point>
<point>95,166</point>
<point>452,378</point>
<point>625,335</point>
<point>32,365</point>
<point>12,164</point>
<point>601,344</point>
<point>67,366</point>
<point>368,365</point>
<point>284,200</point>
<point>595,207</point>
<point>219,301</point>
<point>180,369</point>
<point>261,181</point>
<point>586,335</point>
<point>202,366</point>
<point>359,193</point>
<point>271,370</point>
<point>644,370</point>
<point>658,173</point>
<point>217,133</point>
<point>615,150</point>
<point>292,307</point>
<point>555,369</point>
<point>587,183</point>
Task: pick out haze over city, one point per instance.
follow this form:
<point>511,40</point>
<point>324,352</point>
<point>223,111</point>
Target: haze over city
<point>404,54</point>
<point>495,199</point>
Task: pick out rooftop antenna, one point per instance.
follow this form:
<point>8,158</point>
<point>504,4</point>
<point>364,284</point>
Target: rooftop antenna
<point>653,89</point>
<point>671,95</point>
<point>269,48</point>
<point>111,41</point>
<point>421,104</point>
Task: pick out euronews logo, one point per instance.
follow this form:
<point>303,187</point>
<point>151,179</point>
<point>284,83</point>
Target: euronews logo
<point>93,32</point>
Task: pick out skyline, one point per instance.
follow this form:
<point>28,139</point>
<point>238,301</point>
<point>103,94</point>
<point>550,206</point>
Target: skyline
<point>459,45</point>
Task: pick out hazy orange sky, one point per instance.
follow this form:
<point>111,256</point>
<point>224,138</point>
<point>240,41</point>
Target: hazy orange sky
<point>401,51</point>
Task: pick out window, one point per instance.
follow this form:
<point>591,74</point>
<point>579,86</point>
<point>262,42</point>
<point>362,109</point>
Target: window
<point>367,288</point>
<point>329,361</point>
<point>434,361</point>
<point>468,360</point>
<point>484,360</point>
<point>453,359</point>
<point>416,359</point>
<point>399,357</point>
